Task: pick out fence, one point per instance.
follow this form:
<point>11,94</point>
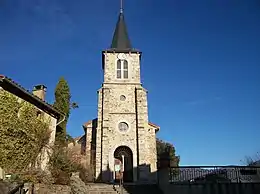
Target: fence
<point>214,174</point>
<point>210,180</point>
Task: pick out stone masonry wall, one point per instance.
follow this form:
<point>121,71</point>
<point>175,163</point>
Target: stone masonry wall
<point>146,138</point>
<point>112,110</point>
<point>133,66</point>
<point>46,152</point>
<point>88,143</point>
<point>122,111</point>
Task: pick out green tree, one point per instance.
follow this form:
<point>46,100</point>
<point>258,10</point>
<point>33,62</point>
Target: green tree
<point>63,103</point>
<point>23,133</point>
<point>167,151</point>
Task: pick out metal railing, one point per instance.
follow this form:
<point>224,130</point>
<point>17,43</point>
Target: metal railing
<point>214,174</point>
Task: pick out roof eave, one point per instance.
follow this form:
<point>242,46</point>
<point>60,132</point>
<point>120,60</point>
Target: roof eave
<point>26,95</point>
<point>119,50</point>
<point>156,127</point>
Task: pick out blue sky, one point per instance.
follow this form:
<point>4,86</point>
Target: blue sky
<point>201,65</point>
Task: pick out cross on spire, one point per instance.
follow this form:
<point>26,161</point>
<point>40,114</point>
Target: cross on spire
<point>121,6</point>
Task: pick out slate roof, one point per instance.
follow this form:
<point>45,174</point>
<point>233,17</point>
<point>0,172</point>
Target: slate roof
<point>155,126</point>
<point>16,89</point>
<point>121,41</point>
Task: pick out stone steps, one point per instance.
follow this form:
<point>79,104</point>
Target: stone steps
<point>98,188</point>
<point>102,192</point>
<point>139,189</point>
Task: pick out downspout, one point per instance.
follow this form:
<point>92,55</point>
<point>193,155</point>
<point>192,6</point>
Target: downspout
<point>62,120</point>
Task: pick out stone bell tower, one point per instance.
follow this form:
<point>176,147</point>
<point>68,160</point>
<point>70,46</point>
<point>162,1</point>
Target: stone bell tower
<point>123,129</point>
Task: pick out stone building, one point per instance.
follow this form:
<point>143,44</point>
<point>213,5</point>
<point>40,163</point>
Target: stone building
<point>37,99</point>
<point>122,130</point>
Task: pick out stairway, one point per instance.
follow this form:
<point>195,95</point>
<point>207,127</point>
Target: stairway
<point>99,188</point>
<point>139,189</point>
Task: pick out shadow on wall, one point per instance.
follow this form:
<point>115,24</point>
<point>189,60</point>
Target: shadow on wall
<point>105,176</point>
<point>143,174</point>
<point>82,142</point>
<point>143,185</point>
<point>93,144</point>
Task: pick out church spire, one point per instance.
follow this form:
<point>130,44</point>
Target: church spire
<point>121,40</point>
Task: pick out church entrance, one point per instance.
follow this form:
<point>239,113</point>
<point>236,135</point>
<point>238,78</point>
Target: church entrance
<point>125,155</point>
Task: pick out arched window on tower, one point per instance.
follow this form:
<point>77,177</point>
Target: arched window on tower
<point>122,69</point>
<point>119,69</point>
<point>125,69</point>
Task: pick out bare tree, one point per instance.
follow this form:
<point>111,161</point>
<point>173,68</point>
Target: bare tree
<point>252,160</point>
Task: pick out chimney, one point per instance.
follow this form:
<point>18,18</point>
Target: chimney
<point>40,91</point>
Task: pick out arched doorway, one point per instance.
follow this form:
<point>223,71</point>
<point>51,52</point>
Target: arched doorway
<point>126,152</point>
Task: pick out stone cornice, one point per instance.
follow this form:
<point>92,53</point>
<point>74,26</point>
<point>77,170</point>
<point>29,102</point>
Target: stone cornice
<point>125,113</point>
<point>120,83</point>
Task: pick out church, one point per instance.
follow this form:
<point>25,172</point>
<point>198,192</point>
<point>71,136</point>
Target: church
<point>122,130</point>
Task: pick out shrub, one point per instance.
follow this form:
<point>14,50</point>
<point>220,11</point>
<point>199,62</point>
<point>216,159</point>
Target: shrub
<point>36,175</point>
<point>64,161</point>
<point>61,166</point>
<point>85,169</point>
<point>23,134</point>
<point>86,174</point>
